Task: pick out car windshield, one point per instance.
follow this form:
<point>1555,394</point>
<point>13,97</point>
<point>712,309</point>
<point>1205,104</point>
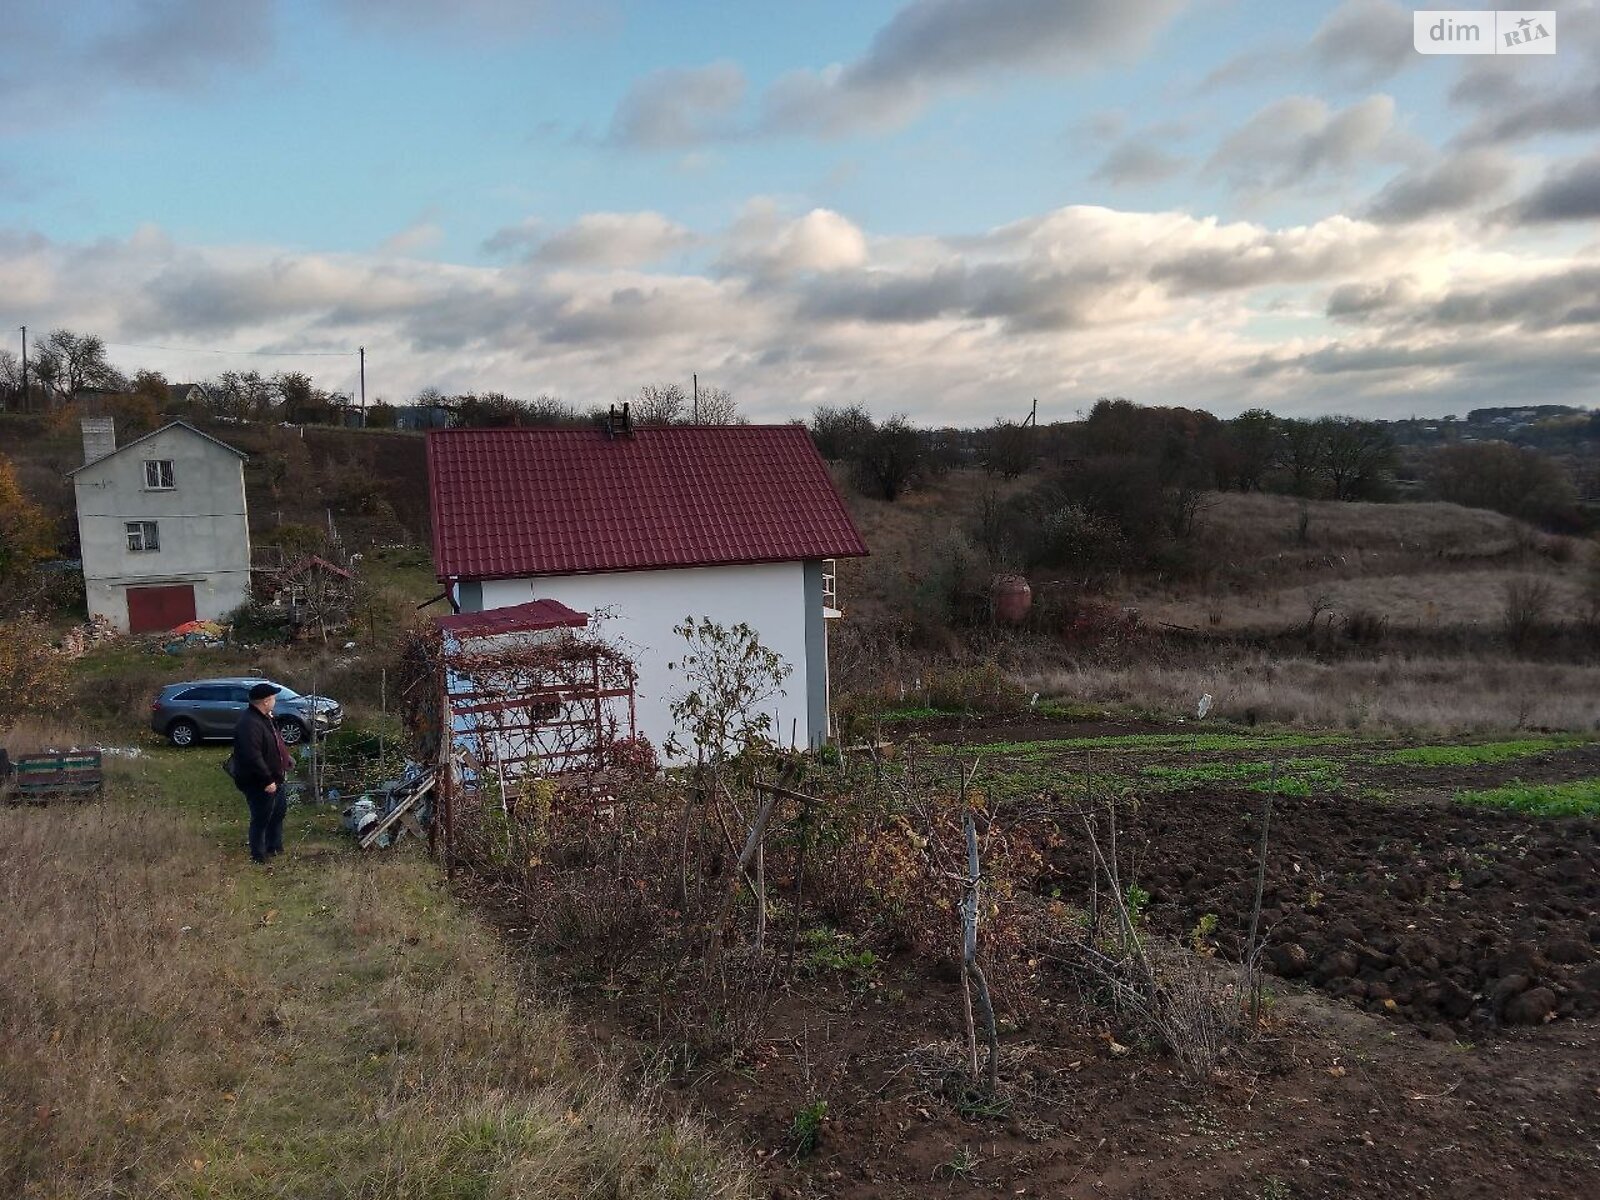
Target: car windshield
<point>287,693</point>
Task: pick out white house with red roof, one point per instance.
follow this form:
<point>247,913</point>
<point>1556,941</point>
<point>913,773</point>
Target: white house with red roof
<point>643,528</point>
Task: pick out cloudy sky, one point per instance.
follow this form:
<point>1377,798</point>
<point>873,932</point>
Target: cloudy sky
<point>941,207</point>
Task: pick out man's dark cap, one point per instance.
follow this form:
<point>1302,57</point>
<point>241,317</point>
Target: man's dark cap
<point>262,690</point>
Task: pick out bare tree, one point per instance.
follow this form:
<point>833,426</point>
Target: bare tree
<point>660,404</point>
<point>548,409</point>
<point>840,431</point>
<point>1304,454</point>
<point>1011,450</point>
<point>11,381</point>
<point>322,597</point>
<point>716,406</point>
<point>890,461</point>
<point>1358,457</point>
<point>244,395</point>
<point>68,363</point>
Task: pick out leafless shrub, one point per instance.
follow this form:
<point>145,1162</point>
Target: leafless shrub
<point>1186,1002</point>
<point>1365,627</point>
<point>1527,608</point>
<point>1559,549</point>
<point>1590,603</point>
<point>1318,607</point>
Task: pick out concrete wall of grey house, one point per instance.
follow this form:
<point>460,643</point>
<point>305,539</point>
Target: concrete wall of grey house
<point>201,521</point>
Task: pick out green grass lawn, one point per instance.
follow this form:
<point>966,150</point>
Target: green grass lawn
<point>408,572</point>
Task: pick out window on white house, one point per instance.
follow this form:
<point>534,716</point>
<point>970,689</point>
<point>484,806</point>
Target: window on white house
<point>158,474</point>
<point>143,537</point>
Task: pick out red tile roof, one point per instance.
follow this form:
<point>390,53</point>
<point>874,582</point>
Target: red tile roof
<point>515,618</point>
<point>509,503</point>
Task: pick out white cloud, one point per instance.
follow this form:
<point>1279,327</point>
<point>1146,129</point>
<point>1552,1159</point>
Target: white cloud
<point>765,244</point>
<point>803,307</point>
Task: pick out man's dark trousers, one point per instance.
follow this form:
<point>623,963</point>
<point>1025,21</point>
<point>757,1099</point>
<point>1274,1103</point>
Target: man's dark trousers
<point>266,821</point>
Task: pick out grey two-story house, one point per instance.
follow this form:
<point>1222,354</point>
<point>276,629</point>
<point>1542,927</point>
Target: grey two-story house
<point>163,526</point>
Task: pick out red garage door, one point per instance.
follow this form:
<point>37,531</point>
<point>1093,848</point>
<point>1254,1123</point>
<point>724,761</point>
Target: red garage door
<point>152,609</point>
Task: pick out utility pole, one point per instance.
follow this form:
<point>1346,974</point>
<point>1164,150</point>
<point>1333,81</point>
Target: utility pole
<point>26,407</point>
<point>696,378</point>
<point>363,350</point>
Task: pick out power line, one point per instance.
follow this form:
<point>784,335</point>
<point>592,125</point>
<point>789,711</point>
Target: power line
<point>262,353</point>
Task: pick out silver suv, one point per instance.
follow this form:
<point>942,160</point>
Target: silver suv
<point>184,713</point>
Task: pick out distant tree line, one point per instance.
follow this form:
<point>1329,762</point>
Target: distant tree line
<point>1124,485</point>
<point>1172,453</point>
<point>1338,458</point>
<point>652,404</point>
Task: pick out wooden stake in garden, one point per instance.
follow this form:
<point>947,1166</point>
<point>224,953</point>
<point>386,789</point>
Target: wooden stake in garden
<point>1252,950</point>
<point>969,947</point>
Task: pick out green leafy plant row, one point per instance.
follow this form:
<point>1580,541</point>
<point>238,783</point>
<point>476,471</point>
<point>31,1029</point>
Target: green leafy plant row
<point>1579,798</point>
<point>1479,753</point>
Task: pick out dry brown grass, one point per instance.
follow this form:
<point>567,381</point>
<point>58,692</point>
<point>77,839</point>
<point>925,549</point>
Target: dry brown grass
<point>1423,695</point>
<point>1426,566</point>
<point>173,1024</point>
<point>904,536</point>
<point>1257,526</point>
<point>30,735</point>
<point>1469,598</point>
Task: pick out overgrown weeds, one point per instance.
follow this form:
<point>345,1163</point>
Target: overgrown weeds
<point>176,1027</point>
<point>1171,994</point>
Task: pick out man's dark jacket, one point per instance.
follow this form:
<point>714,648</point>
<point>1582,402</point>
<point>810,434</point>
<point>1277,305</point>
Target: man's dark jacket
<point>257,752</point>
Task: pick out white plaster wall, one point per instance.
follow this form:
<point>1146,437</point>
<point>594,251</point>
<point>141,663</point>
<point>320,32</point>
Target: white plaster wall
<point>640,608</point>
<point>205,532</point>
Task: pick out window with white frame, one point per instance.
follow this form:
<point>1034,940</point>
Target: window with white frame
<point>158,474</point>
<point>143,537</point>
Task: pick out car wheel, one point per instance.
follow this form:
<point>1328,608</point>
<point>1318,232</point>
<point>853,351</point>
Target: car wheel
<point>183,733</point>
<point>292,732</point>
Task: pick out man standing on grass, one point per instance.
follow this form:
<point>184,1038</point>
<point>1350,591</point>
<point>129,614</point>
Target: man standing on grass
<point>260,762</point>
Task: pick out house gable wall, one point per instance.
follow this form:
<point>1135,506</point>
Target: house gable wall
<point>204,527</point>
<point>637,611</point>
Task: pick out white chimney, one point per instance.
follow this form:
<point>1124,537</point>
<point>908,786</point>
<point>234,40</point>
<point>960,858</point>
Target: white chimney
<point>99,438</point>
